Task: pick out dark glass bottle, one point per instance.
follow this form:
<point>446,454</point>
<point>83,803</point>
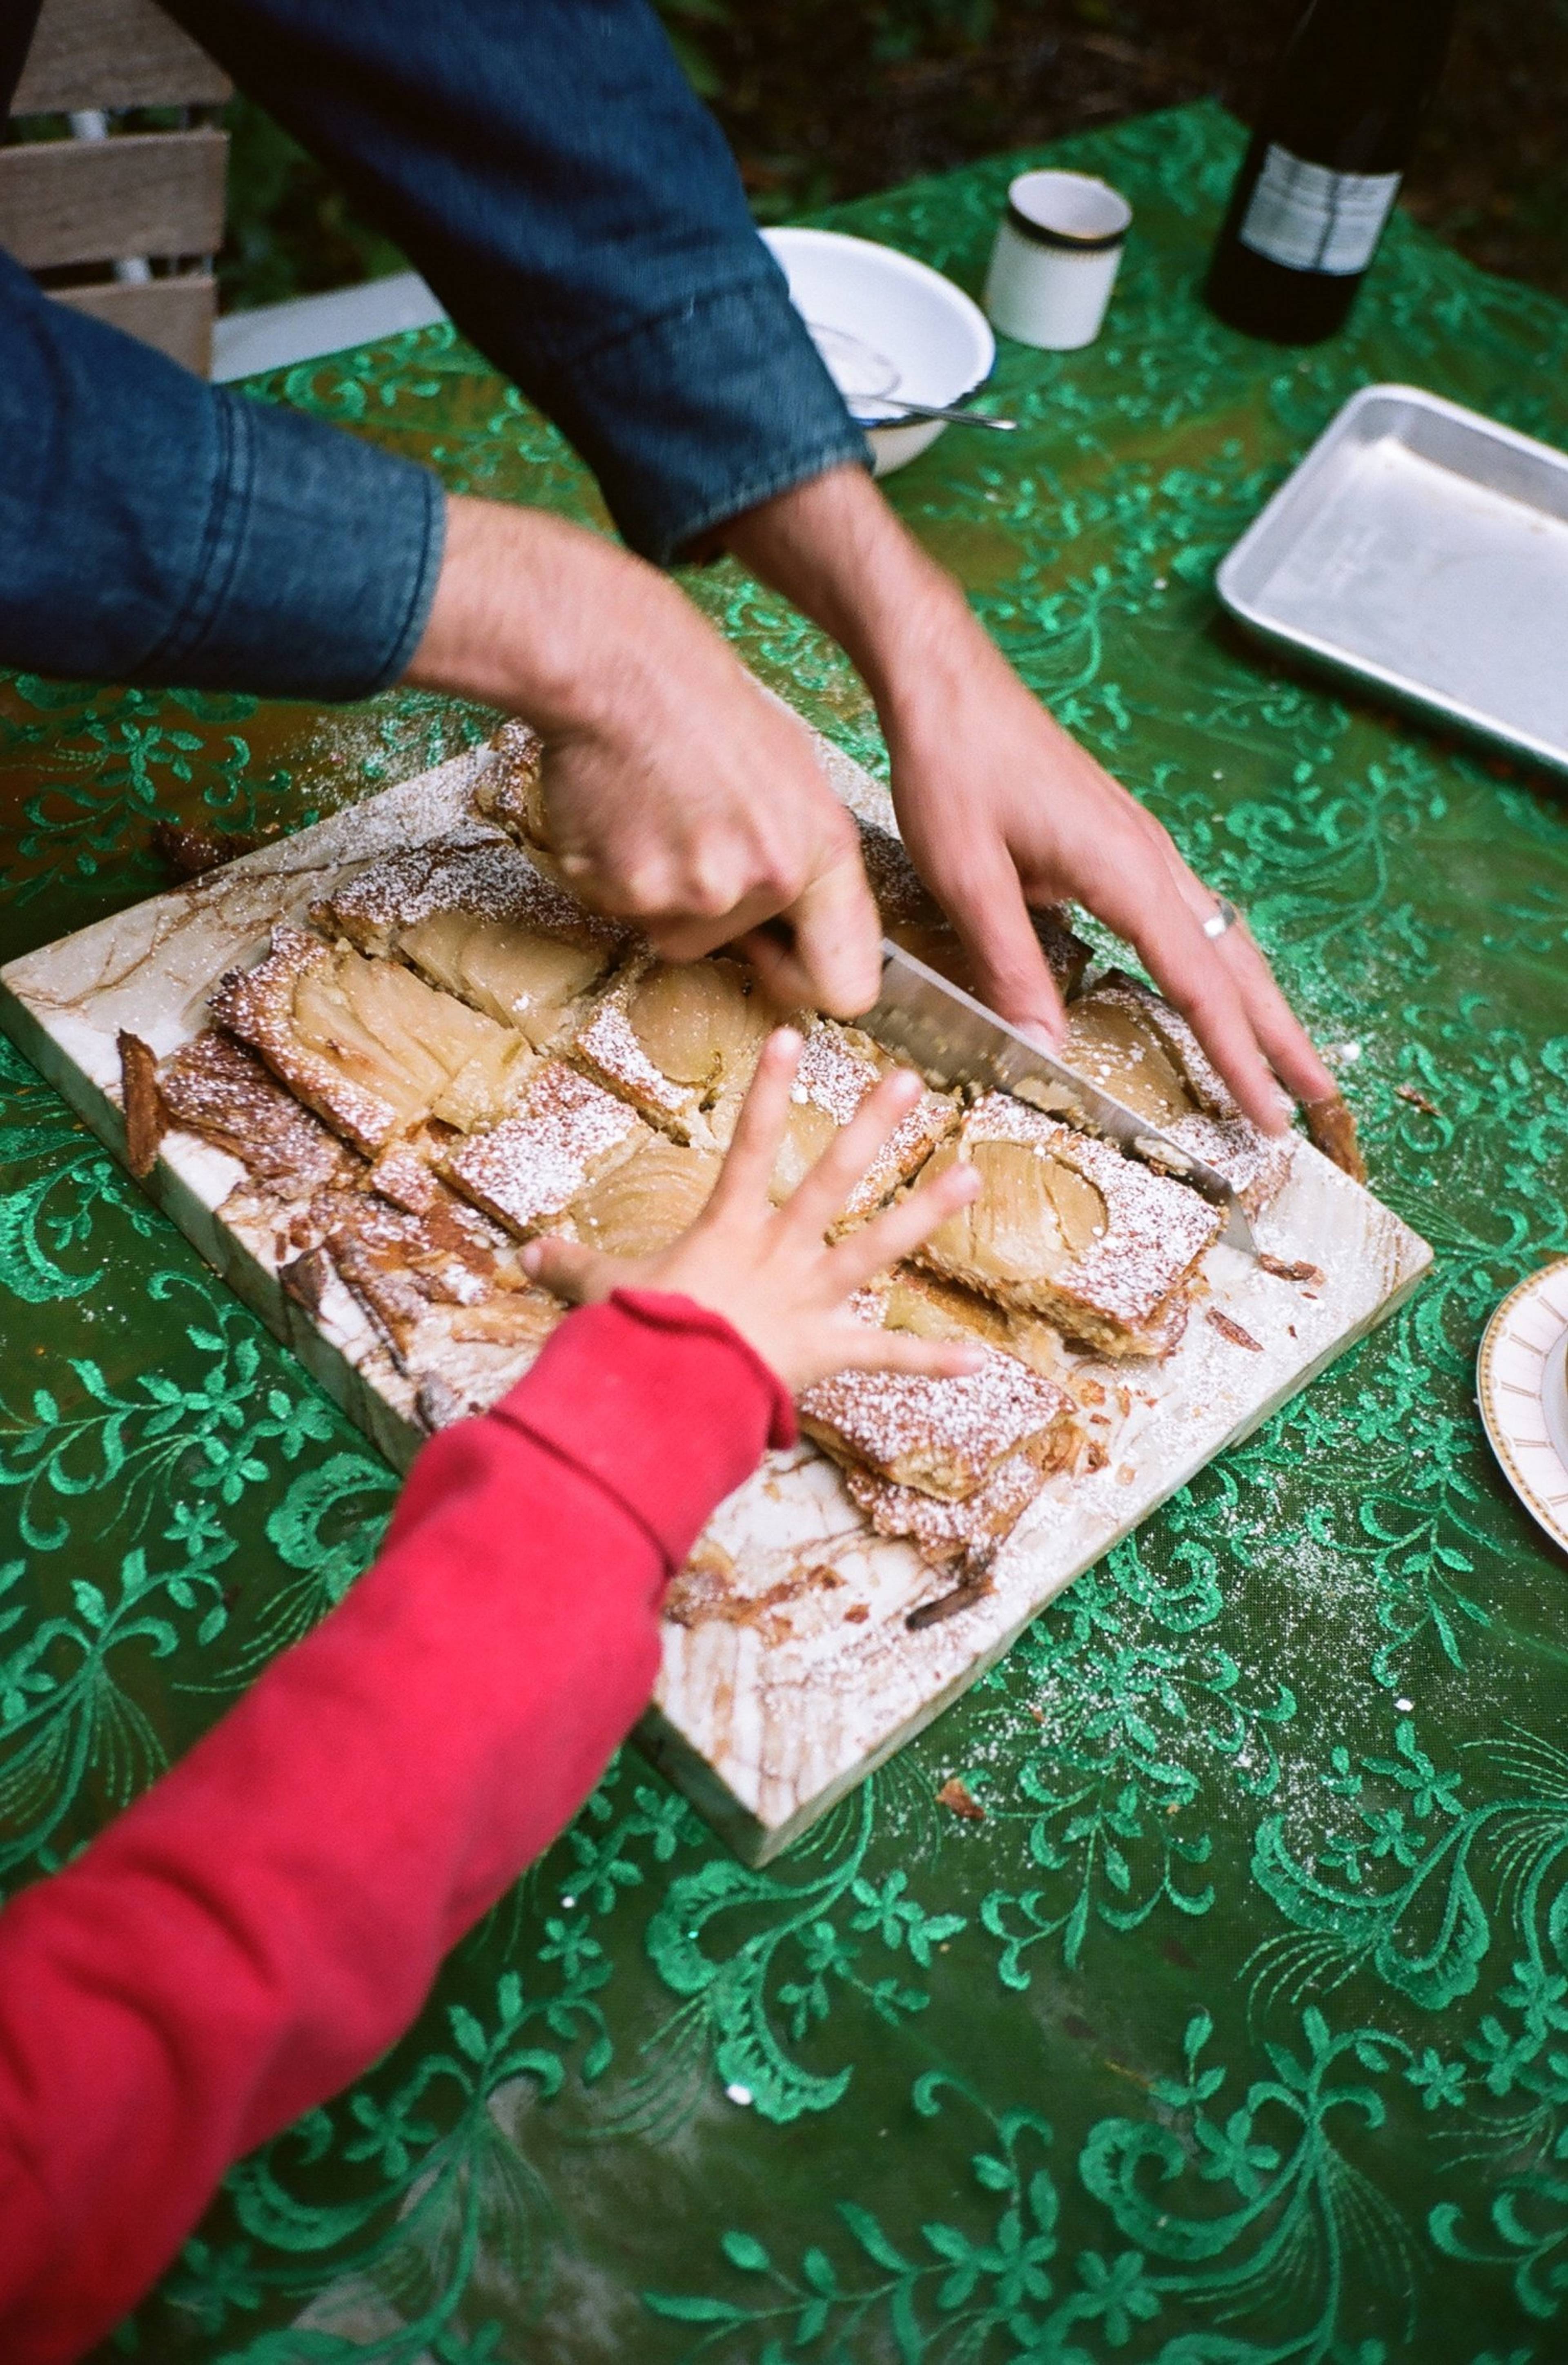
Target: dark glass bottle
<point>1334,136</point>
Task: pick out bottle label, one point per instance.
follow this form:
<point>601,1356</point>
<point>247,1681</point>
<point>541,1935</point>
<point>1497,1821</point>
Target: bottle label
<point>1312,219</point>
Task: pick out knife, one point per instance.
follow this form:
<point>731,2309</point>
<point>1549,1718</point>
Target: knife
<point>954,1039</point>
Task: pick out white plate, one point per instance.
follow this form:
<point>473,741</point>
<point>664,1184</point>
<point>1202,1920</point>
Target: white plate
<point>885,325</point>
<point>1521,1388</point>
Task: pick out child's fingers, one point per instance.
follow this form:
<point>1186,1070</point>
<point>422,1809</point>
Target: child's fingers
<point>579,1275</point>
<point>749,1162</point>
<point>900,1229</point>
<point>821,1195</point>
<point>858,1347</point>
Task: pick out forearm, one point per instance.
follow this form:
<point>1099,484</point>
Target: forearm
<point>837,550</point>
<point>558,624</point>
<point>268,1918</point>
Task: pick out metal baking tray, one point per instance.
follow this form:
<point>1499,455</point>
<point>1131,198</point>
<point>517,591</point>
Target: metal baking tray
<point>1424,548</point>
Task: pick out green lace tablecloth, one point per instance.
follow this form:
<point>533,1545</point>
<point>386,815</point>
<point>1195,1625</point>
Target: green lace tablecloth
<point>1237,2030</point>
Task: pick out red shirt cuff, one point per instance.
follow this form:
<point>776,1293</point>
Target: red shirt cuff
<point>661,1401</point>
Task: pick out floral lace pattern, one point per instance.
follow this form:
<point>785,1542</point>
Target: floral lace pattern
<point>1235,2032</point>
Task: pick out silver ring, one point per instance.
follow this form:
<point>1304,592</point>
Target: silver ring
<point>1224,915</point>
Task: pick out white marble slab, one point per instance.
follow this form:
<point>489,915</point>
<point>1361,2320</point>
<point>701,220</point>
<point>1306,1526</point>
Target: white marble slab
<point>802,1674</point>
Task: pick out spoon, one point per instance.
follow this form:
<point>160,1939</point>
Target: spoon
<point>955,418</point>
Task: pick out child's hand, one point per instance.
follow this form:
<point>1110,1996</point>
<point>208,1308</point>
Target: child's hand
<point>769,1270</point>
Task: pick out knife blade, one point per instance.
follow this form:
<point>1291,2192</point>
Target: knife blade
<point>954,1039</point>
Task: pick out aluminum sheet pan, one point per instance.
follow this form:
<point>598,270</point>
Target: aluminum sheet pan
<point>1424,548</point>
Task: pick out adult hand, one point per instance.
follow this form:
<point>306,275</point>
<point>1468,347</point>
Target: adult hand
<point>769,1270</point>
<point>1001,808</point>
<point>676,794</point>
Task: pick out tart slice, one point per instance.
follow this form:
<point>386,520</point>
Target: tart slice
<point>1066,1227</point>
<point>931,1307</point>
<point>638,1207</point>
<point>1130,1043</point>
<point>972,1532</point>
<point>839,1065</point>
<point>368,1045</point>
<point>680,1040</point>
<point>510,789</point>
<point>568,1134</point>
<point>215,1089</point>
<point>941,1436</point>
<point>479,920</point>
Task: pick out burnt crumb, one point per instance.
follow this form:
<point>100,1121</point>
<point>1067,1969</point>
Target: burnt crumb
<point>973,1586</point>
<point>1283,1270</point>
<point>190,851</point>
<point>960,1800</point>
<point>857,1615</point>
<point>1232,1331</point>
<point>706,1588</point>
<point>146,1117</point>
<point>437,1403</point>
<point>1417,1099</point>
<point>304,1278</point>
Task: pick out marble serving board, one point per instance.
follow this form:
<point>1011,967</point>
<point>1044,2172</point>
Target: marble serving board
<point>789,1670</point>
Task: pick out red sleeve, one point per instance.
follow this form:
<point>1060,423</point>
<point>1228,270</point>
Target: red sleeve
<point>269,1917</point>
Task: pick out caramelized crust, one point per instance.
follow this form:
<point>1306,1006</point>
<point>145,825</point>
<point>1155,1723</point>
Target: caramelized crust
<point>1067,1228</point>
<point>941,1436</point>
<point>368,1045</point>
<point>510,789</point>
<point>212,1088</point>
<point>430,1279</point>
<point>479,920</point>
<point>567,1133</point>
<point>1130,1043</point>
<point>972,1531</point>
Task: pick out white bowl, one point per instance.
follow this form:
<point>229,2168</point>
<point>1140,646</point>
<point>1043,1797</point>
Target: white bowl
<point>885,325</point>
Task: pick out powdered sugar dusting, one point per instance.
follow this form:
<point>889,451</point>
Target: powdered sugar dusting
<point>1155,1229</point>
<point>942,1435</point>
<point>941,1531</point>
<point>530,1167</point>
<point>471,872</point>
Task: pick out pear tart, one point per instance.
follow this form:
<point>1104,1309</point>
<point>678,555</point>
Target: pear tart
<point>913,917</point>
<point>940,1437</point>
<point>222,1092</point>
<point>680,1040</point>
<point>839,1065</point>
<point>510,790</point>
<point>1129,1041</point>
<point>931,1307</point>
<point>972,1531</point>
<point>567,1133</point>
<point>1067,1229</point>
<point>640,1207</point>
<point>445,1274</point>
<point>479,920</point>
<point>369,1046</point>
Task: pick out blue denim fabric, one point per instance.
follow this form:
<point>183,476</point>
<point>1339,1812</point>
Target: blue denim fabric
<point>156,529</point>
<point>546,166</point>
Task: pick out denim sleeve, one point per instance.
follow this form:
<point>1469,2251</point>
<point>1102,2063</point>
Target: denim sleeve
<point>546,166</point>
<point>157,529</point>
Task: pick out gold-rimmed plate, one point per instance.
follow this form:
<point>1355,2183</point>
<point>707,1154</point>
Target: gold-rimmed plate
<point>1521,1388</point>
